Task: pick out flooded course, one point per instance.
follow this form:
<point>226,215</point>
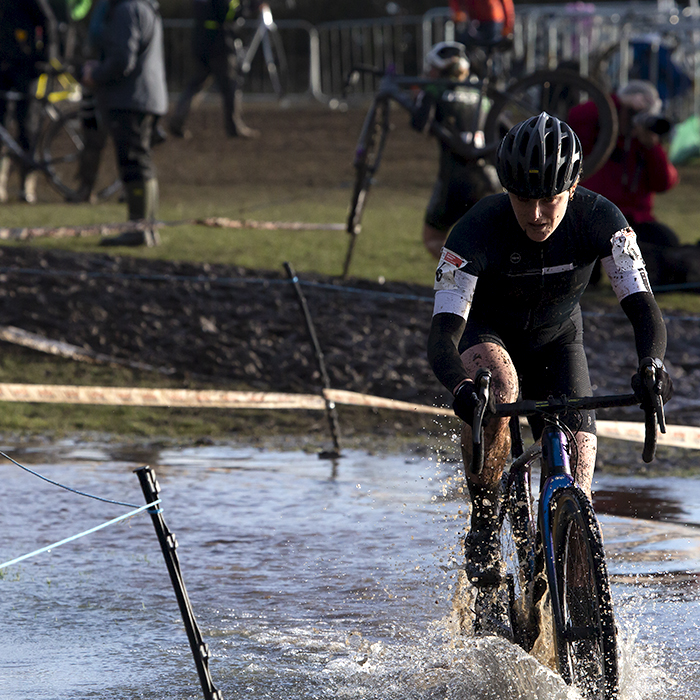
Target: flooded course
<point>309,579</point>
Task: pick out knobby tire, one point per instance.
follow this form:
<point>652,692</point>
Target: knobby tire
<point>584,625</point>
<point>61,147</point>
<point>554,92</point>
<point>518,547</point>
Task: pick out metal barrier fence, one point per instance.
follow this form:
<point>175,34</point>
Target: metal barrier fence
<point>612,41</point>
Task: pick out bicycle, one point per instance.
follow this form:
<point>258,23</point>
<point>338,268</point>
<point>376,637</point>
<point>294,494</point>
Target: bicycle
<point>498,109</point>
<point>60,143</point>
<point>266,37</point>
<point>561,549</point>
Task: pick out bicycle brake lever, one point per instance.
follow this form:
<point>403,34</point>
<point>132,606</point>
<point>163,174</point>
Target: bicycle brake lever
<point>658,404</point>
<point>482,388</point>
<point>653,414</point>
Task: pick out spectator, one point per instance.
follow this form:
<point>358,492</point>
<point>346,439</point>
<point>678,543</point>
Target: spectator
<point>461,181</point>
<point>214,51</point>
<point>129,81</point>
<point>28,37</point>
<point>638,168</point>
<point>482,22</point>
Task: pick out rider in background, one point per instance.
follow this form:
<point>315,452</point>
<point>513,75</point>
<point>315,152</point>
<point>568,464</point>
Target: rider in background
<point>214,52</point>
<point>482,22</point>
<point>28,37</point>
<point>461,182</point>
<point>507,293</point>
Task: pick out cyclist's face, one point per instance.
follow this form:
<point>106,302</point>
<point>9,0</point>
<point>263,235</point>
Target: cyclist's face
<point>539,218</point>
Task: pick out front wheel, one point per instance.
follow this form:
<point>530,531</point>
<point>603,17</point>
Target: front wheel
<point>518,548</point>
<point>368,156</point>
<point>71,149</point>
<point>584,625</point>
<point>555,92</point>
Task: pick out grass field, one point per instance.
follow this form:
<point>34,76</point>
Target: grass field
<point>301,170</point>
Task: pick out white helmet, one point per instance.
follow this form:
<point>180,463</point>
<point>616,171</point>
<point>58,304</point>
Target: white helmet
<point>449,57</point>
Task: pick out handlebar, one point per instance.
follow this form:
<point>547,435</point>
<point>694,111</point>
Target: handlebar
<point>396,87</point>
<point>653,411</point>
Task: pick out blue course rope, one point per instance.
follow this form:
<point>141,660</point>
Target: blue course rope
<point>75,537</point>
<point>67,488</point>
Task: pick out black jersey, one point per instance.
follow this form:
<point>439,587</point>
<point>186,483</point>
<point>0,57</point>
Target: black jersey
<point>491,270</point>
<point>457,109</point>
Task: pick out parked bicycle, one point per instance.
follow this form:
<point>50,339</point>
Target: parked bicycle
<point>560,549</point>
<point>56,152</point>
<point>266,37</point>
<point>498,109</point>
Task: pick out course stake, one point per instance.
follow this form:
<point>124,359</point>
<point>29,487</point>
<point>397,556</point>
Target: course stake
<point>330,405</point>
<point>168,545</point>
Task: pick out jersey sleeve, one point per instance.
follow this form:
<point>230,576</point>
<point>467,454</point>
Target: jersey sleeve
<point>454,286</point>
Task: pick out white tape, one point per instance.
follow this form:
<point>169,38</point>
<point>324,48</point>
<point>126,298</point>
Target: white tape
<point>676,435</point>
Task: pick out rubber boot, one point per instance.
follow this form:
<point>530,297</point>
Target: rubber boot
<point>142,203</point>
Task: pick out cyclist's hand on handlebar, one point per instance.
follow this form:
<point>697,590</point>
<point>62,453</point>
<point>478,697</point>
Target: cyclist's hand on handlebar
<point>652,376</point>
<point>466,401</point>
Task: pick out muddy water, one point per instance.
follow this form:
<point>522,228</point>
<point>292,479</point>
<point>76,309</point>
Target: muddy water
<point>309,579</point>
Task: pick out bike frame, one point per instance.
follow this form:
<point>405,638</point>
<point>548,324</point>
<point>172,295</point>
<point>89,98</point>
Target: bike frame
<point>70,92</point>
<point>265,34</point>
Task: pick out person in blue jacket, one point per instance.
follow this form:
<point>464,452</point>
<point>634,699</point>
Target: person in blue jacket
<point>129,81</point>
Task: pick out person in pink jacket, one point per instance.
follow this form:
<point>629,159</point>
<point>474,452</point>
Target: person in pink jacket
<point>638,167</point>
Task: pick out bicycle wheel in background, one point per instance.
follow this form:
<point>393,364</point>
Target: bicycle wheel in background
<point>554,92</point>
<point>584,626</point>
<point>62,146</point>
<point>368,156</point>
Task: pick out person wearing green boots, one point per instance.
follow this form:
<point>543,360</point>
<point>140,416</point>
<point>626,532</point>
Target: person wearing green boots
<point>129,81</point>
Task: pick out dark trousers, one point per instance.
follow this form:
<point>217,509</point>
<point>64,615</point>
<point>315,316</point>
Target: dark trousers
<point>19,80</point>
<point>222,64</point>
<point>131,132</point>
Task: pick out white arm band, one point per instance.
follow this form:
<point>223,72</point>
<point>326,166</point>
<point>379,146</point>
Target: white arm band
<point>454,288</point>
<point>625,267</point>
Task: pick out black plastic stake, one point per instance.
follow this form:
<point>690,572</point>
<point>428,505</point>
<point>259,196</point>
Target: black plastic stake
<point>330,405</point>
<point>168,544</point>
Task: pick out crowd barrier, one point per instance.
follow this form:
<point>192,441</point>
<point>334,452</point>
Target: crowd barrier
<point>611,40</point>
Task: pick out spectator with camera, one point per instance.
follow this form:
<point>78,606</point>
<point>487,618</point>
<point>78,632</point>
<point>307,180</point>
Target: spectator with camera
<point>638,167</point>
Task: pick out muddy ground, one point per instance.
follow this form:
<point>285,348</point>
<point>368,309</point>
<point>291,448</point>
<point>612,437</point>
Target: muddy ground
<point>236,328</point>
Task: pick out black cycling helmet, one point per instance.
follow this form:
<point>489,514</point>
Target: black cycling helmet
<point>539,158</point>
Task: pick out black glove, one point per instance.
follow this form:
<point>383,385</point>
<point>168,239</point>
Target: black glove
<point>663,385</point>
<point>466,401</point>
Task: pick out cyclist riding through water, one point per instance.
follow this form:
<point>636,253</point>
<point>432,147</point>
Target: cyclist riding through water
<point>507,293</point>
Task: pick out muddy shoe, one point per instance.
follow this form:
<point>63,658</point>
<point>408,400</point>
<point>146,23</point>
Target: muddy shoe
<point>484,564</point>
<point>492,612</point>
<point>133,238</point>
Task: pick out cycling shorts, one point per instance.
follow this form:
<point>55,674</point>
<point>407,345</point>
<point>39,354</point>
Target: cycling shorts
<point>550,362</point>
